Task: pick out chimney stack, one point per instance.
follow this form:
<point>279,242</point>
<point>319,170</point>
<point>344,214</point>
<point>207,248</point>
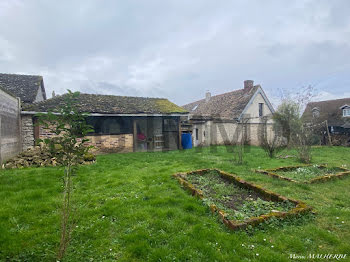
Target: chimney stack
<point>207,96</point>
<point>248,84</point>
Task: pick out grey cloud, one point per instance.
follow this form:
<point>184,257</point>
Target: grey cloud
<point>176,49</point>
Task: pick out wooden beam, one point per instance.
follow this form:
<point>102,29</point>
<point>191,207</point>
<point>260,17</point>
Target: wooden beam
<point>36,129</point>
<point>329,136</point>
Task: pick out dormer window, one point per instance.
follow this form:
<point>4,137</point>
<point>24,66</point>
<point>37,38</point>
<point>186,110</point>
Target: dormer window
<point>346,110</point>
<point>315,112</point>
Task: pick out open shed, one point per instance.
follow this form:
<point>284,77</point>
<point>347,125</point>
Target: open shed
<point>120,123</point>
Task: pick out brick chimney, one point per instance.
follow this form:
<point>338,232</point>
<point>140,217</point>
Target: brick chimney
<point>248,84</point>
<point>207,96</point>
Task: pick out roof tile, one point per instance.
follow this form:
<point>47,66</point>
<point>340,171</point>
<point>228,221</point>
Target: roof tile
<point>225,106</point>
<point>110,104</point>
<point>329,110</point>
<point>23,86</point>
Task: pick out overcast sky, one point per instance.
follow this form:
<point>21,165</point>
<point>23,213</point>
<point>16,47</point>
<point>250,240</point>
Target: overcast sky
<point>178,49</point>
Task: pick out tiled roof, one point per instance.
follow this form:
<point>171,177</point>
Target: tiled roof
<point>329,110</point>
<point>110,104</point>
<point>23,86</point>
<point>225,106</point>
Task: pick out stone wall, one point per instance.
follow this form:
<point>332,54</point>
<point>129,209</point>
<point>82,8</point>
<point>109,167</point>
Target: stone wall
<point>10,134</point>
<point>102,143</point>
<point>27,131</point>
<point>111,143</point>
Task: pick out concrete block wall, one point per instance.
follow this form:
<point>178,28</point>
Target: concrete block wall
<point>10,129</point>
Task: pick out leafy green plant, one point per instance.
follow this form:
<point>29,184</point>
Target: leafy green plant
<point>69,127</point>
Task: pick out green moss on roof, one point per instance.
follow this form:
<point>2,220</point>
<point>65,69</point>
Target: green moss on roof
<point>109,104</point>
<point>166,106</point>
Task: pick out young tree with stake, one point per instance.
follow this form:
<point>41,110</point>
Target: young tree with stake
<point>68,145</point>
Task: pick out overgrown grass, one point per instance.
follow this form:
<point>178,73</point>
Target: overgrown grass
<point>238,203</point>
<point>128,207</point>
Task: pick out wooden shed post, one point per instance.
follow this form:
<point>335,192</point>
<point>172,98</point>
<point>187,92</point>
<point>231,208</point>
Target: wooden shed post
<point>134,124</point>
<point>36,129</point>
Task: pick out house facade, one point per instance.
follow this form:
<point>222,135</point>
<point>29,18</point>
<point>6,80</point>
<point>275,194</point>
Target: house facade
<point>335,114</point>
<point>228,118</point>
<point>120,123</point>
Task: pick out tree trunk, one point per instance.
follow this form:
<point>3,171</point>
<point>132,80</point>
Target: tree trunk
<point>65,230</point>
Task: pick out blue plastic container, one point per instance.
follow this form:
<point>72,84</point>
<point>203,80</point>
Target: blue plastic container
<point>186,140</point>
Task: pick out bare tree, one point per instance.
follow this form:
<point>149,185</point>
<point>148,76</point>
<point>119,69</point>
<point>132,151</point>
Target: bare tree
<point>270,137</point>
<point>242,134</point>
<point>297,132</point>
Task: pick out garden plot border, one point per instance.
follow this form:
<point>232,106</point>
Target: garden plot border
<point>271,172</point>
<point>265,194</point>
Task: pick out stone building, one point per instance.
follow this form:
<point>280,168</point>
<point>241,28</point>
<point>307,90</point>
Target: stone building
<point>15,91</point>
<point>120,123</point>
<point>29,88</point>
<point>228,118</point>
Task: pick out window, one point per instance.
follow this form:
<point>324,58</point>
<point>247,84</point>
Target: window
<point>315,114</point>
<point>261,106</point>
<point>110,125</point>
<point>170,125</point>
<point>197,134</point>
<point>346,112</point>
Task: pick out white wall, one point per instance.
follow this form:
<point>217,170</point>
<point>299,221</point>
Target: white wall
<point>252,111</point>
<point>39,96</point>
<point>227,133</point>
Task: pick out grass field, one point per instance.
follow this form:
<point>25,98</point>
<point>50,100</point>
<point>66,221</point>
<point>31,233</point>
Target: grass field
<point>128,207</point>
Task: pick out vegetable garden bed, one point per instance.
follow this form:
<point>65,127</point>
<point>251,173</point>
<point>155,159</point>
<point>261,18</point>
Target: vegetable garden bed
<point>238,203</point>
<point>306,173</point>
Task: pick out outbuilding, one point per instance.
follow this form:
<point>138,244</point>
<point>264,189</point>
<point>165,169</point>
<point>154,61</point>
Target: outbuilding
<point>120,123</point>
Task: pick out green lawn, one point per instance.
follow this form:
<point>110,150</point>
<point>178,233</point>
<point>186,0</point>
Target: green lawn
<point>128,207</point>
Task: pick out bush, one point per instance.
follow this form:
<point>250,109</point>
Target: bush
<point>89,157</point>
